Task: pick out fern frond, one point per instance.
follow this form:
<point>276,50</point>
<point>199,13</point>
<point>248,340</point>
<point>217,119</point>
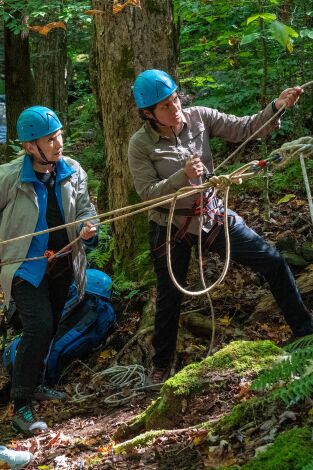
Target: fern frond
<point>300,343</point>
<point>296,391</point>
<point>285,370</point>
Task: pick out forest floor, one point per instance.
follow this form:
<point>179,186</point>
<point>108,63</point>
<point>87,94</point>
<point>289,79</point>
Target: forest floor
<point>81,433</point>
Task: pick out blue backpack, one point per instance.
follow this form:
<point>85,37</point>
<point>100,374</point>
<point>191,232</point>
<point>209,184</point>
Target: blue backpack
<point>84,327</point>
<point>80,332</point>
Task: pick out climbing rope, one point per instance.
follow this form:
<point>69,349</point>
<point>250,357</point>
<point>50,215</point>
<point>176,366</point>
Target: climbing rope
<point>215,181</point>
<point>275,116</point>
<point>127,381</point>
<point>291,151</point>
<point>220,182</point>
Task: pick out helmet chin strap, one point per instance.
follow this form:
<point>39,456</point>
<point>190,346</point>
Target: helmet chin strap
<point>163,125</point>
<point>45,161</point>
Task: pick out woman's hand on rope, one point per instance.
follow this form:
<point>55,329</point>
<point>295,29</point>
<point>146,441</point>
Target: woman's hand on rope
<point>289,97</point>
<point>88,231</point>
<point>194,167</point>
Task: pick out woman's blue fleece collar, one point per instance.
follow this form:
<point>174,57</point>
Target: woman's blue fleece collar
<point>63,171</point>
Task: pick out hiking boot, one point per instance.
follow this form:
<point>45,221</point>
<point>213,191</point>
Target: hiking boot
<point>157,377</point>
<point>24,421</point>
<point>17,459</point>
<point>43,392</point>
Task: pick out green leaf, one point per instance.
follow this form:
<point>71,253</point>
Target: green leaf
<point>249,38</point>
<point>264,16</point>
<point>282,33</point>
<point>252,18</point>
<point>292,32</point>
<point>306,33</point>
<point>286,198</point>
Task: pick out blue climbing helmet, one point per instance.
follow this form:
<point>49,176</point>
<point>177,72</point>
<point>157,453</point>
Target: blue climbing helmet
<point>98,283</point>
<point>151,87</point>
<point>36,122</point>
<point>9,354</point>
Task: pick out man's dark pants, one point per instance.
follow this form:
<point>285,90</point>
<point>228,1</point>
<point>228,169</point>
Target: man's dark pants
<point>248,249</point>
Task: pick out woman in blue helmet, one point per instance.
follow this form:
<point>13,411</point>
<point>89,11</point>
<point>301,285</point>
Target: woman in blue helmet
<point>172,150</point>
<point>40,190</point>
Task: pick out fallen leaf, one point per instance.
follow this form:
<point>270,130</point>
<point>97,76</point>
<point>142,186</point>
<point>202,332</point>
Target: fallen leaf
<point>286,198</point>
<point>225,320</point>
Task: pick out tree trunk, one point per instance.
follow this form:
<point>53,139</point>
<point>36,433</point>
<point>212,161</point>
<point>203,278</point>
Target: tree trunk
<point>127,43</point>
<point>19,85</point>
<point>49,60</point>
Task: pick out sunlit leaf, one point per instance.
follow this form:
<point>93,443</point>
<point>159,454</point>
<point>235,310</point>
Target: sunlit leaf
<point>286,198</point>
<point>225,320</point>
<point>232,40</point>
<point>292,32</point>
<point>198,440</point>
<point>118,6</point>
<point>45,29</point>
<point>264,16</point>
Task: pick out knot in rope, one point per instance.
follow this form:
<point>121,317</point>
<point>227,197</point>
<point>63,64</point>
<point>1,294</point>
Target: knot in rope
<point>291,151</point>
<point>221,182</point>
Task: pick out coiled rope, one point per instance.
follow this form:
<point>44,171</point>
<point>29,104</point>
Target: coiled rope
<point>127,381</point>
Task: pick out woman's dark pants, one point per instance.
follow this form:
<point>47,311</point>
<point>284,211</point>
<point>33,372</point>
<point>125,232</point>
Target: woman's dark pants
<point>39,310</point>
<point>248,249</point>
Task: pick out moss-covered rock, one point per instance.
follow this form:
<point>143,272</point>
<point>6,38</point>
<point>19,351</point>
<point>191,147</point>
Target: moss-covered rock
<point>240,415</point>
<point>239,358</point>
<point>291,450</point>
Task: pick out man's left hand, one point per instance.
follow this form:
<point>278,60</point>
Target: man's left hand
<point>289,97</point>
<point>88,231</point>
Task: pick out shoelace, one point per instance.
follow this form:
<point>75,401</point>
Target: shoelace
<point>26,414</point>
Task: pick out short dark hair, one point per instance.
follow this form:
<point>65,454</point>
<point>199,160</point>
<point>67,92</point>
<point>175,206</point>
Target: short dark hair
<point>144,117</point>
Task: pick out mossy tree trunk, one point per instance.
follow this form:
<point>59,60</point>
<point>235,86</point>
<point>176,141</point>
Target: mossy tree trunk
<point>126,44</point>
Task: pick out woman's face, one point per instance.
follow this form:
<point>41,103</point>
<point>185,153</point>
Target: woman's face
<point>51,145</point>
<point>168,112</point>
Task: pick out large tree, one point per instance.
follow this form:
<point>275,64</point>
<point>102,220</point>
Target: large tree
<point>18,77</point>
<point>49,60</point>
<point>127,42</point>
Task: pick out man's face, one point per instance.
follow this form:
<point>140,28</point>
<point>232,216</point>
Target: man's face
<point>51,145</point>
<point>168,112</point>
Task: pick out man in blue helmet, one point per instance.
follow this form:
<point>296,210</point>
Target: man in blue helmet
<point>40,190</point>
<point>172,150</point>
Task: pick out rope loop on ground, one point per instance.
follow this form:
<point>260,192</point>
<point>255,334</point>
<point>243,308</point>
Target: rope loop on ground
<point>128,381</point>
